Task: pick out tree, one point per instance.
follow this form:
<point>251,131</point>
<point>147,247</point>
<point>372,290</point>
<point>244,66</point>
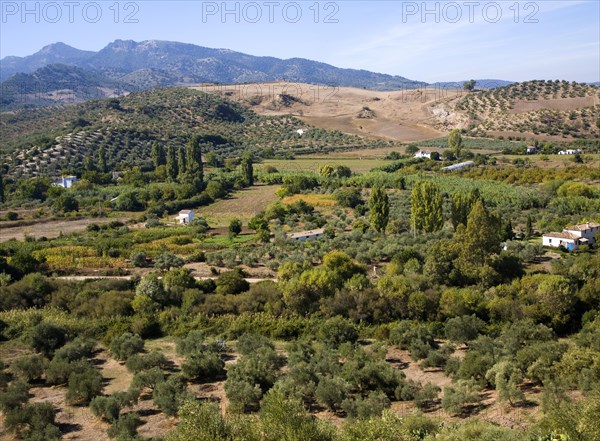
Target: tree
<point>166,261</point>
<point>181,164</point>
<point>457,396</point>
<point>46,338</point>
<point>247,170</point>
<point>102,166</point>
<point>2,190</point>
<point>461,206</point>
<point>194,168</point>
<point>65,203</point>
<point>158,155</point>
<point>171,163</point>
<point>232,282</point>
<point>29,367</point>
<point>463,329</point>
<point>379,208</point>
<point>168,395</point>
<point>455,142</point>
<point>426,207</point>
<point>126,345</point>
<point>505,377</point>
<point>84,386</point>
<point>106,408</point>
<point>469,86</point>
<point>235,227</point>
<point>259,224</point>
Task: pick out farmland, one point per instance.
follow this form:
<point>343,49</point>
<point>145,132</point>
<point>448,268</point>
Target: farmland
<point>426,308</point>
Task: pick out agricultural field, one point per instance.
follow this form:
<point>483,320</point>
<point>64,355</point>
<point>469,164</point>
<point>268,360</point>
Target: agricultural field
<point>421,305</point>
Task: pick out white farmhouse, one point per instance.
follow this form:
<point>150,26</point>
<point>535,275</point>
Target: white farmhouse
<point>300,132</point>
<point>185,216</point>
<point>423,154</point>
<point>66,181</point>
<point>573,236</point>
<point>303,236</point>
<point>569,152</point>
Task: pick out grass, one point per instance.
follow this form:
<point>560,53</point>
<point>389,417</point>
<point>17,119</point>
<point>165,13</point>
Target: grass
<point>317,200</point>
<point>226,241</point>
<point>243,205</point>
<point>357,165</point>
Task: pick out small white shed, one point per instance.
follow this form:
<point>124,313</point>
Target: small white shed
<point>185,216</point>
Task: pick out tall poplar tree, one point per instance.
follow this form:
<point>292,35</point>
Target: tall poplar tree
<point>172,166</point>
<point>379,208</point>
<point>426,212</point>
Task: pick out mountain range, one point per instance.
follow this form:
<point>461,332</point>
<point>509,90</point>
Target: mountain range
<point>130,66</point>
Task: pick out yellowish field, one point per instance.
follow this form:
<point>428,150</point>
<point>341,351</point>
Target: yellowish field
<point>243,204</point>
<point>304,164</point>
<point>317,200</point>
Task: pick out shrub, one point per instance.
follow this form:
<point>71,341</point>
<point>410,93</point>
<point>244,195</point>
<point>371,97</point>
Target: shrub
<point>169,395</point>
<point>331,392</point>
<point>15,395</point>
<point>126,345</point>
<point>106,408</point>
<point>46,338</point>
<point>457,396</point>
<point>337,330</point>
<point>463,329</point>
<point>247,344</point>
<point>29,368</point>
<point>372,405</point>
<point>83,386</point>
<point>205,366</point>
<point>232,282</point>
<point>137,362</point>
<point>34,422</point>
<point>125,427</point>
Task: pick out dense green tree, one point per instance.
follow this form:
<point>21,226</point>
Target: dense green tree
<point>102,165</point>
<point>235,227</point>
<point>379,208</point>
<point>172,164</point>
<point>46,338</point>
<point>457,396</point>
<point>158,155</point>
<point>426,207</point>
<point>125,345</point>
<point>247,170</point>
<point>506,377</point>
<point>469,86</point>
<point>2,189</point>
<point>461,206</point>
<point>84,386</point>
<point>455,142</point>
<point>181,164</point>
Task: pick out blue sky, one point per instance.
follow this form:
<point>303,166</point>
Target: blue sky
<point>428,41</point>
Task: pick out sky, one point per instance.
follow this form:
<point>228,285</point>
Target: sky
<point>421,40</point>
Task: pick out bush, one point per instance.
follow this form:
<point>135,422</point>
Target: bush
<point>29,368</point>
<point>34,422</point>
<point>75,350</point>
<point>137,362</point>
<point>463,329</point>
<point>247,344</point>
<point>106,408</point>
<point>232,282</point>
<point>83,386</point>
<point>457,396</point>
<point>126,345</point>
<point>205,366</point>
<point>362,408</point>
<point>192,343</point>
<point>125,428</point>
<point>169,395</point>
<point>46,338</point>
<point>337,330</point>
<point>331,392</point>
<point>15,395</point>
